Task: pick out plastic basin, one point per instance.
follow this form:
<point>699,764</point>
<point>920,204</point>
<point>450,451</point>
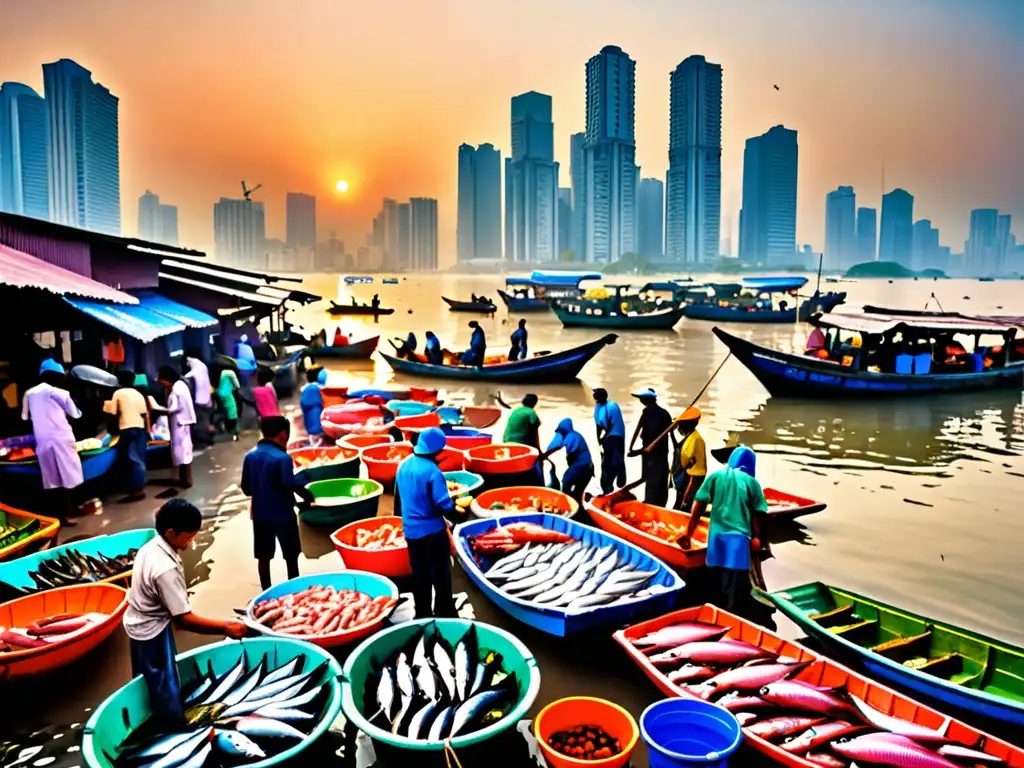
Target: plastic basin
<point>364,441</point>
<point>520,496</point>
<point>360,673</point>
<point>567,713</point>
<point>419,421</point>
<point>333,395</point>
<point>464,438</point>
<point>371,584</point>
<point>408,407</point>
<point>468,479</point>
<point>344,462</point>
<point>393,563</point>
<point>340,501</point>
<point>501,459</point>
<point>382,462</point>
<point>687,732</point>
<point>128,708</point>
<point>338,420</point>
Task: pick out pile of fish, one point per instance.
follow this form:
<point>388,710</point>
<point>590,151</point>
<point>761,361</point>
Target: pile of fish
<point>824,726</point>
<point>51,629</point>
<point>644,520</point>
<point>72,567</point>
<point>244,715</point>
<point>387,536</point>
<point>572,576</point>
<point>513,537</point>
<point>320,610</point>
<point>429,691</point>
<point>323,459</point>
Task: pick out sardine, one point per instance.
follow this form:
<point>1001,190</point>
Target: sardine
<point>397,723</point>
<point>509,561</point>
<point>263,727</point>
<point>621,588</point>
<point>184,750</point>
<point>285,714</point>
<point>419,655</point>
<point>589,601</point>
<point>166,744</point>
<point>287,670</point>
<point>202,688</point>
<point>246,687</point>
<point>288,699</point>
<point>445,667</point>
<point>534,556</point>
<point>386,692</point>
<point>442,724</point>
<point>404,676</point>
<point>886,749</point>
<point>426,683</point>
<point>465,662</point>
<point>237,744</point>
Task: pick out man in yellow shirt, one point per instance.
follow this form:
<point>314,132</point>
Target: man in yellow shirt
<point>689,460</point>
<point>132,412</point>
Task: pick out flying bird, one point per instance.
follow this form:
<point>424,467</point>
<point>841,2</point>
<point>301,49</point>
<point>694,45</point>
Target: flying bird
<point>775,87</point>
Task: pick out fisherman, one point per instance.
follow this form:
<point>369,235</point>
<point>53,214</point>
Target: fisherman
<point>311,400</point>
<point>422,494</point>
<point>474,356</point>
<point>410,345</point>
<point>580,469</point>
<point>48,405</point>
<point>523,425</point>
<point>375,302</point>
<point>268,477</point>
<point>689,458</point>
<point>264,394</point>
<point>129,406</point>
<point>611,436</point>
<point>199,375</point>
<point>654,422</point>
<point>432,349</point>
<point>815,346</point>
<point>340,339</point>
<point>158,597</point>
<point>181,415</point>
<point>519,339</point>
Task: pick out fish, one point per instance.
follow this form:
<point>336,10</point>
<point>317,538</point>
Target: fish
<point>183,750</point>
<point>164,745</point>
<point>826,760</point>
<point>710,653</point>
<point>792,695</point>
<point>445,667</point>
<point>485,672</point>
<point>736,703</point>
<point>442,724</point>
<point>898,725</point>
<point>265,727</point>
<point>419,655</point>
<point>199,758</point>
<point>237,744</point>
<point>420,723</point>
<point>465,662</point>
<point>777,727</point>
<point>959,752</point>
<point>883,749</point>
<point>747,678</point>
<point>534,556</point>
<point>425,681</point>
<point>479,703</point>
<point>507,563</point>
<point>745,718</point>
<point>589,601</point>
<point>246,687</point>
<point>398,722</point>
<point>287,670</point>
<point>386,692</point>
<point>820,734</point>
<point>274,712</point>
<point>404,676</point>
<point>675,635</point>
<point>690,672</point>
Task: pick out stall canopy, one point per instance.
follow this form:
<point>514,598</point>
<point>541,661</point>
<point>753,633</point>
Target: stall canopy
<point>248,287</point>
<point>879,324</point>
<point>187,316</point>
<point>19,270</point>
<point>779,284</point>
<point>554,279</point>
<point>153,318</point>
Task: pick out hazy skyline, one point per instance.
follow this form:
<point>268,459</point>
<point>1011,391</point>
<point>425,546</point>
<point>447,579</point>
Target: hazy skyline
<point>298,95</point>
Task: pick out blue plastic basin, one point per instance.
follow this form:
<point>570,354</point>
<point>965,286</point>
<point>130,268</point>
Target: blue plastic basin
<point>684,732</point>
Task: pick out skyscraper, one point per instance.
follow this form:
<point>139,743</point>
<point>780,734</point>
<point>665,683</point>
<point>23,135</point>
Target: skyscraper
<point>578,180</point>
<point>157,222</point>
<point>479,215</point>
<point>840,228</point>
<point>768,216</point>
<point>24,152</point>
<point>867,234</point>
<point>300,221</point>
<point>650,219</point>
<point>896,240</point>
<point>564,220</point>
<point>404,214</point>
<point>240,233</point>
<point>392,257</point>
<point>531,182</point>
<point>84,168</point>
<point>925,245</point>
<point>981,251</point>
<point>694,178</point>
<point>610,156</point>
<point>423,233</point>
<point>1005,243</point>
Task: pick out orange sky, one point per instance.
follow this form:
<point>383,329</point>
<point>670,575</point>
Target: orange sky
<point>297,94</point>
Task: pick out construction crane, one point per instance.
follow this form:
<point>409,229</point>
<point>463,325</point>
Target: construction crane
<point>246,192</point>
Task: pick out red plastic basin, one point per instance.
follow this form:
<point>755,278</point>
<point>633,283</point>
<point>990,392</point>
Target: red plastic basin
<point>387,562</point>
<point>501,459</point>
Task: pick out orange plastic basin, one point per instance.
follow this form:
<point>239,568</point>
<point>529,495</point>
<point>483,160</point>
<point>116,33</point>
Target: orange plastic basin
<point>566,714</point>
<point>501,459</point>
<point>81,598</point>
<point>518,499</point>
<point>364,441</point>
<point>382,461</point>
<point>419,421</point>
<point>622,519</point>
<point>333,395</point>
<point>423,395</point>
<point>393,563</point>
<point>339,453</point>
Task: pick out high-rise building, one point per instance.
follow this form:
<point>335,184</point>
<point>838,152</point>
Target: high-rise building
<point>479,199</point>
<point>650,219</point>
<point>840,228</point>
<point>867,234</point>
<point>531,182</point>
<point>240,233</point>
<point>1006,243</point>
<point>392,255</point>
<point>982,249</point>
<point>24,152</point>
<point>423,233</point>
<point>300,221</point>
<point>610,156</point>
<point>925,245</point>
<point>404,214</point>
<point>330,254</point>
<point>768,216</point>
<point>694,181</point>
<point>84,167</point>
<point>564,220</point>
<point>157,221</point>
<point>896,239</point>
<point>578,180</point>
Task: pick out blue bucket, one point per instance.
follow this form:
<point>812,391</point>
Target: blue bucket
<point>686,732</point>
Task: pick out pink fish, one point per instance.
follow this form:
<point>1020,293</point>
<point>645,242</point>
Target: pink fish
<point>710,653</point>
<point>778,727</point>
<point>735,703</point>
<point>897,725</point>
<point>825,759</point>
<point>884,749</point>
<point>748,678</point>
<point>746,718</point>
<point>817,735</point>
<point>678,634</point>
<point>690,673</point>
<point>790,694</point>
<point>972,755</point>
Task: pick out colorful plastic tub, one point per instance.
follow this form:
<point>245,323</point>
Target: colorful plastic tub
<point>95,464</point>
<point>501,459</point>
<point>464,438</point>
<point>344,463</point>
<point>338,420</point>
<point>566,714</point>
<point>681,733</point>
<point>393,563</point>
<point>48,528</point>
<point>364,441</point>
<point>333,395</point>
<point>382,461</point>
<point>609,518</point>
<point>665,585</point>
<point>340,501</point>
<point>419,421</point>
<point>81,598</point>
<point>371,584</point>
<point>409,407</point>
<point>360,672</point>
<point>471,482</point>
<point>128,708</point>
<point>558,503</point>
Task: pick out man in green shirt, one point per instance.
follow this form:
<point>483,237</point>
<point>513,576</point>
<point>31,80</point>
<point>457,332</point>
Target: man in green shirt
<point>523,424</point>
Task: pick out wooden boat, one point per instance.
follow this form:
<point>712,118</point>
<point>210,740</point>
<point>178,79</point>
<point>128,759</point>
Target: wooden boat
<point>559,621</point>
<point>551,368</point>
<point>782,505</point>
<point>44,530</point>
<point>788,375</point>
<point>579,315</point>
<point>340,501</point>
<point>541,288</point>
<point>479,307</point>
<point>944,662</point>
<point>623,518</point>
<point>339,310</point>
<point>821,672</point>
<point>390,281</point>
<point>757,300</point>
<point>359,350</point>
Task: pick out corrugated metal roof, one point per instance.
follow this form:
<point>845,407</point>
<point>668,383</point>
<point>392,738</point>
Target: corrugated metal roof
<point>20,270</point>
<point>135,321</point>
<point>191,318</point>
<point>229,283</point>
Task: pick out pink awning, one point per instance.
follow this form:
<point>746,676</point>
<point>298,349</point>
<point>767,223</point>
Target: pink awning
<point>20,270</point>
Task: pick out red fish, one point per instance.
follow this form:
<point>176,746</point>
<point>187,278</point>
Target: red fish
<point>971,755</point>
<point>817,735</point>
<point>825,759</point>
<point>897,725</point>
<point>892,750</point>
<point>726,654</point>
<point>690,673</point>
<point>678,634</point>
<point>792,695</point>
<point>748,678</point>
<point>736,703</point>
<point>777,727</point>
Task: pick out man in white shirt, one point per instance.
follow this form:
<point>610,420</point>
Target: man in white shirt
<point>132,412</point>
<point>198,376</point>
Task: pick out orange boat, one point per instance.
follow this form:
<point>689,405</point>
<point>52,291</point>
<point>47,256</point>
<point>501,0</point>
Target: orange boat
<point>393,562</point>
<point>81,598</point>
<point>382,461</point>
<point>521,499</point>
<point>45,532</point>
<point>501,459</point>
<point>822,672</point>
<point>651,528</point>
<point>786,505</point>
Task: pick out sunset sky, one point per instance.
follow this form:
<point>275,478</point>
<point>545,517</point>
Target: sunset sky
<point>297,94</point>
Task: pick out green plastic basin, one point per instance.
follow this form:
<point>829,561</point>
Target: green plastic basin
<point>341,501</point>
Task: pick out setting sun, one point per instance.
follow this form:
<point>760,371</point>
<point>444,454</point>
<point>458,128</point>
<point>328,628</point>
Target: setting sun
<point>341,186</point>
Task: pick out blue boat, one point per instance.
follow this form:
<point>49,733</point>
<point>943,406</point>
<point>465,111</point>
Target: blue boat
<point>665,586</point>
<point>95,464</point>
<point>534,293</point>
<point>758,300</point>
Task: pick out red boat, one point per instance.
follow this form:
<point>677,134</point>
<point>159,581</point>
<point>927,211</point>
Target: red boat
<point>786,505</point>
<point>629,518</point>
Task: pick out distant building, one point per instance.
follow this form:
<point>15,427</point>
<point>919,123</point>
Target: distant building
<point>578,180</point>
<point>531,182</point>
<point>404,256</point>
<point>694,181</point>
<point>1006,243</point>
<point>896,240</point>
<point>157,221</point>
<point>841,229</point>
<point>564,220</point>
<point>768,216</point>
<point>330,254</point>
<point>392,255</point>
<point>423,238</point>
<point>24,152</point>
<point>925,246</point>
<point>867,235</point>
<point>650,219</point>
<point>84,167</point>
<point>240,233</point>
<point>984,246</point>
<point>300,224</point>
<point>479,200</point>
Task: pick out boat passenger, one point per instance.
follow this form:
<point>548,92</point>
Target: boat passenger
<point>519,341</point>
<point>523,425</point>
<point>129,406</point>
<point>199,376</point>
<point>375,302</point>
<point>181,415</point>
<point>611,436</point>
<point>159,597</point>
<point>651,429</point>
<point>580,469</point>
<point>432,349</point>
<point>422,494</point>
<point>689,460</point>
<point>311,400</point>
<point>264,394</point>
<point>227,390</point>
<point>815,346</point>
<point>474,356</point>
<point>340,339</point>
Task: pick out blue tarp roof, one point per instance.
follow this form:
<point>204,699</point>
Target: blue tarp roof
<point>132,320</point>
<point>189,317</point>
<point>774,283</point>
<point>554,279</point>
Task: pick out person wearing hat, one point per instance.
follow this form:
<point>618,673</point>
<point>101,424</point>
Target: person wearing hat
<point>423,501</point>
<point>611,436</point>
<point>474,356</point>
<point>689,458</point>
<point>48,405</point>
<point>654,422</point>
<point>580,469</point>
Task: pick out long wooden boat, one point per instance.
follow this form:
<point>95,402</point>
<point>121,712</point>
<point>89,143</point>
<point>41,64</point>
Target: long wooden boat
<point>944,662</point>
<point>576,315</point>
<point>542,288</point>
<point>521,304</point>
<point>788,375</point>
<point>751,301</point>
<point>358,309</point>
<point>359,350</point>
<point>732,314</point>
<point>479,307</point>
<point>625,517</point>
<point>820,672</point>
<point>551,368</point>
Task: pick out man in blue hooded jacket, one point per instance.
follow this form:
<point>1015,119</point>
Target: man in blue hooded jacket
<point>577,455</point>
<point>422,499</point>
<point>474,356</point>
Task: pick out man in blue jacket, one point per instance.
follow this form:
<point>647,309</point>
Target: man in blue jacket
<point>474,356</point>
<point>577,455</point>
<point>611,436</point>
<point>268,477</point>
<point>421,493</point>
<point>519,339</point>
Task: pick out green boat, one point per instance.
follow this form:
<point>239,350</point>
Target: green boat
<point>949,664</point>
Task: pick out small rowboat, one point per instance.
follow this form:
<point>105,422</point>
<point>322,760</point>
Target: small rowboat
<point>358,350</point>
<point>339,310</point>
<point>572,316</point>
<point>337,502</point>
<point>44,530</point>
<point>500,502</point>
<point>944,662</point>
<point>786,505</point>
<point>622,518</point>
<point>393,563</point>
<point>479,307</point>
<point>821,672</point>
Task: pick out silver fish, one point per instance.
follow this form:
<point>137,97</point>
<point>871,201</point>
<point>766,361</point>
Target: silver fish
<point>516,573</point>
<point>465,658</point>
<point>237,744</point>
<point>551,552</point>
<point>402,712</point>
<point>468,710</point>
<point>166,744</point>
<point>386,692</point>
<point>245,688</point>
<point>403,675</point>
<point>426,683</point>
<point>203,688</point>
<point>287,699</point>
<point>540,577</point>
<point>534,556</point>
<point>442,724</point>
<point>199,758</point>
<point>445,668</point>
<point>419,655</point>
<point>589,601</point>
<point>264,727</point>
<point>283,714</point>
<point>421,720</point>
<point>509,561</point>
<point>478,678</point>
<point>184,750</point>
<point>620,587</point>
<point>282,672</point>
<point>226,683</point>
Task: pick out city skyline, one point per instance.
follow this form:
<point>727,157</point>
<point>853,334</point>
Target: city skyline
<point>947,143</point>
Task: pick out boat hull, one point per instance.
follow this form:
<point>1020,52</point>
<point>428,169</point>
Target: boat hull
<point>669,551</point>
<point>651,321</point>
<point>340,309</point>
<point>469,306</point>
<point>807,310</point>
<point>361,350</point>
<point>519,304</point>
